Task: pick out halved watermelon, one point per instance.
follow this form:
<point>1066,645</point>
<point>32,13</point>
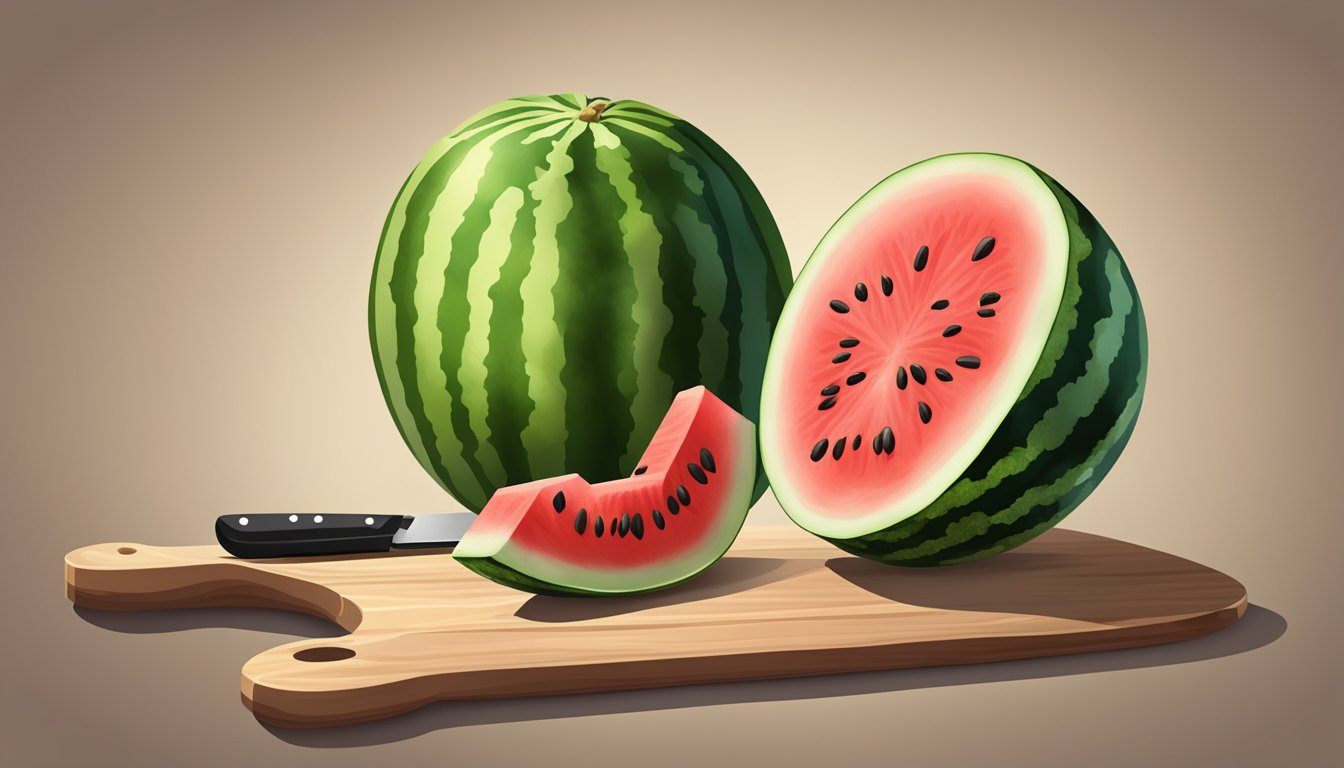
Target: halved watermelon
<point>671,520</point>
<point>961,361</point>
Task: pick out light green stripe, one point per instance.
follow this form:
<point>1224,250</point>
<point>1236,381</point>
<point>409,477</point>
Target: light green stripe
<point>494,249</point>
<point>978,523</point>
<point>1077,399</point>
<point>546,432</point>
<point>651,389</point>
<point>710,278</point>
<point>450,207</point>
<point>385,330</point>
<point>643,130</point>
<point>546,132</point>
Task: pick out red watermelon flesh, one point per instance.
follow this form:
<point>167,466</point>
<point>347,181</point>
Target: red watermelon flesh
<point>675,517</point>
<point>910,346</point>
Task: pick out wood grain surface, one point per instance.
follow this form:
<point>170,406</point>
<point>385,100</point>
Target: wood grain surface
<point>780,604</point>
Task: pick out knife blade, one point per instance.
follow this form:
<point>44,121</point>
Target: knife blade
<point>294,535</point>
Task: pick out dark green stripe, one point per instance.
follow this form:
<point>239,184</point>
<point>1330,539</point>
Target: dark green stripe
<point>380,366</point>
<point>710,211</point>
<point>761,221</point>
<point>593,300</point>
<point>527,110</point>
<point>1042,518</point>
<point>510,160</point>
<point>564,100</point>
<point>410,248</point>
<point>506,379</point>
<point>662,190</point>
<point>762,242</point>
<point>1086,273</point>
<point>635,108</point>
<point>1126,374</point>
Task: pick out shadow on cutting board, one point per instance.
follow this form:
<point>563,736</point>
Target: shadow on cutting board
<point>728,576</point>
<point>1257,628</point>
<point>1035,583</point>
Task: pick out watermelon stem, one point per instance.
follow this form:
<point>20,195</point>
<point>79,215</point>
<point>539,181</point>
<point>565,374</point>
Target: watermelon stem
<point>593,112</point>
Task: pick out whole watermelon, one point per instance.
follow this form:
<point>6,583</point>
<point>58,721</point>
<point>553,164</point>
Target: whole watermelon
<point>552,273</point>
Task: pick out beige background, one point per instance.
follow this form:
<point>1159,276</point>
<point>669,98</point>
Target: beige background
<point>191,198</point>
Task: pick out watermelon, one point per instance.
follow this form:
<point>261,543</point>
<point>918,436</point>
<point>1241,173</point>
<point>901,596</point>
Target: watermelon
<point>671,519</point>
<point>552,273</point>
<point>959,365</point>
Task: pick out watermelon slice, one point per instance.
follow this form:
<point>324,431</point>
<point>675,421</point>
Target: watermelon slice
<point>961,361</point>
<point>671,520</point>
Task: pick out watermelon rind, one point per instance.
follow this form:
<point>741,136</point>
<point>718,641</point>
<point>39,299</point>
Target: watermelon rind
<point>545,284</point>
<point>1055,430</point>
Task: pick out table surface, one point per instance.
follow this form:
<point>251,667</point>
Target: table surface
<point>191,197</point>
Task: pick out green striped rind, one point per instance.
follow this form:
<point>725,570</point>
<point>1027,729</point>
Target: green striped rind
<point>500,573</point>
<point>544,287</point>
<point>1061,437</point>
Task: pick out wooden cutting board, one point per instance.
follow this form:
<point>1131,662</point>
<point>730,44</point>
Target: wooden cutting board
<point>781,604</point>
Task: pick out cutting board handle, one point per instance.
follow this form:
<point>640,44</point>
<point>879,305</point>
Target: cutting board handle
<point>126,576</point>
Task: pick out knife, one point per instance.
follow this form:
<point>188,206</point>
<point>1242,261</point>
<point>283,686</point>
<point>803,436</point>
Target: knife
<point>286,535</point>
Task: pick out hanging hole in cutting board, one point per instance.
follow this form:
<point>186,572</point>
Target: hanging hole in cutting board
<point>126,550</point>
<point>324,653</point>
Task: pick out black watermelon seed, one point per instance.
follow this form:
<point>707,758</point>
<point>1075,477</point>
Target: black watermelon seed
<point>684,495</point>
<point>849,343</point>
<point>672,506</point>
<point>839,449</point>
<point>854,446</point>
<point>877,443</point>
<point>985,312</point>
<point>922,258</point>
<point>860,291</point>
<point>968,361</point>
<point>707,460</point>
<point>941,304</point>
<point>637,525</point>
<point>625,524</point>
<point>818,450</point>
<point>943,374</point>
<point>641,470</point>
<point>900,377</point>
<point>826,404</point>
<point>840,358</point>
<point>658,520</point>
<point>598,527</point>
<point>951,330</point>
<point>988,298</point>
<point>839,306</point>
<point>983,249</point>
<point>917,371</point>
<point>559,501</point>
<point>697,473</point>
<point>925,412</point>
<point>830,389</point>
<point>856,378</point>
<point>888,440</point>
<point>581,520</point>
<point>887,286</point>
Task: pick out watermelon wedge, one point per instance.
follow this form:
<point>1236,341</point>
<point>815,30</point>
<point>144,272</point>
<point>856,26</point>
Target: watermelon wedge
<point>673,518</point>
<point>960,363</point>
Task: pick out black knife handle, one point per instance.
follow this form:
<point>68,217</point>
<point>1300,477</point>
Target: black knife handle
<point>285,535</point>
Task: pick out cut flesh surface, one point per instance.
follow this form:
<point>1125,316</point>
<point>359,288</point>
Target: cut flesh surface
<point>673,518</point>
<point>910,334</point>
